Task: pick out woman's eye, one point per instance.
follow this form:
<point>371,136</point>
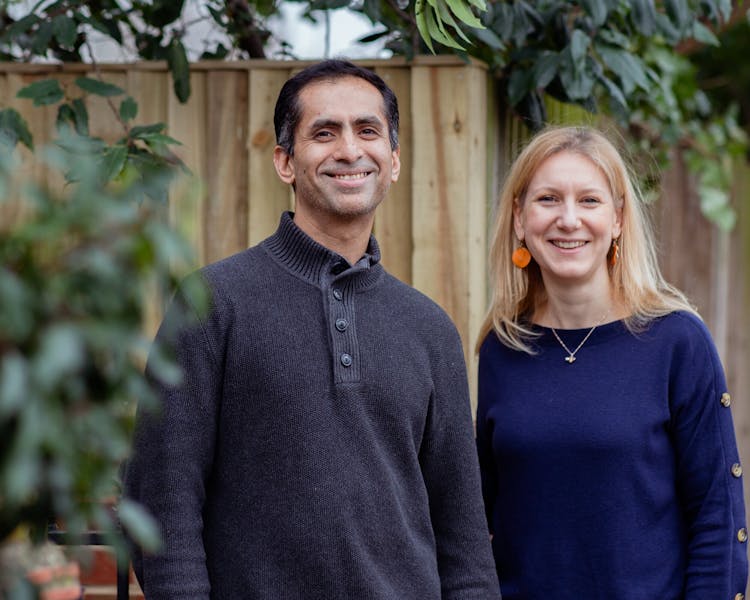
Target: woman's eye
<point>590,200</point>
<point>547,198</point>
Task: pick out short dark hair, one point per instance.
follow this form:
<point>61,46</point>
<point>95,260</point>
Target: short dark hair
<point>288,111</point>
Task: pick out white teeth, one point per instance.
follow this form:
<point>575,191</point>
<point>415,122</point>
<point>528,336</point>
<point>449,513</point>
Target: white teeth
<point>352,176</point>
<point>568,245</point>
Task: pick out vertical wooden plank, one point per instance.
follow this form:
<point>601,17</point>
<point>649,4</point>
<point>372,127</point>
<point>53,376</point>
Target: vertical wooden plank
<point>30,168</point>
<point>225,215</point>
<point>449,112</point>
<point>477,201</point>
<point>679,224</point>
<point>268,196</point>
<point>187,123</point>
<point>150,90</point>
<point>737,360</point>
<point>393,222</point>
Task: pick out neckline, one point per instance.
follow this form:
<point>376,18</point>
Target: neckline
<point>603,333</point>
<point>308,259</point>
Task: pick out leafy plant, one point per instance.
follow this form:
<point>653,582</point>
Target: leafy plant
<point>77,274</point>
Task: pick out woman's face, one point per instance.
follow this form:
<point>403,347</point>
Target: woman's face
<point>568,220</point>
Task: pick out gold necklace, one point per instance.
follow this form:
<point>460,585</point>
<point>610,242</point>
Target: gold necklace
<point>571,358</point>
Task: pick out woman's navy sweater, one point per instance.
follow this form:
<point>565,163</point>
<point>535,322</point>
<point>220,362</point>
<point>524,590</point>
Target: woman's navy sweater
<point>616,476</point>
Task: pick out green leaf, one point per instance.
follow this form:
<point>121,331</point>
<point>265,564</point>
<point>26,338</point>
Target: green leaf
<point>615,93</point>
<point>545,68</point>
<point>678,12</point>
<point>715,205</point>
<point>113,161</point>
<point>579,45</point>
<point>65,30</point>
<point>575,78</point>
<point>98,87</point>
<point>436,33</point>
<point>597,10</point>
<point>14,128</point>
<point>40,41</point>
<point>464,14</point>
<point>13,383</point>
<point>519,84</point>
<point>81,116</point>
<point>180,69</point>
<point>60,354</point>
<point>643,15</point>
<point>704,35</point>
<point>165,12</point>
<point>44,92</point>
<point>626,66</point>
<point>139,525</point>
<point>489,37</point>
<point>447,18</point>
<point>141,130</point>
<point>128,109</point>
<point>420,9</point>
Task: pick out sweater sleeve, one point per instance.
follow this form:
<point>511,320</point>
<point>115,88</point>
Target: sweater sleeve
<point>708,470</point>
<point>451,474</point>
<point>172,455</point>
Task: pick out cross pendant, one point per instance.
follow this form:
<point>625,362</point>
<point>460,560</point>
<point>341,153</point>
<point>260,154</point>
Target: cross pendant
<point>570,359</point>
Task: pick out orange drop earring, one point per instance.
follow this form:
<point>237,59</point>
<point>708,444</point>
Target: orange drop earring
<point>615,253</point>
<point>521,256</point>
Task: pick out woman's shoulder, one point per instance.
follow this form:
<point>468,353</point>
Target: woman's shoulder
<point>682,325</point>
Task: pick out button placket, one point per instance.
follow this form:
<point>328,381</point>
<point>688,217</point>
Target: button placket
<point>343,334</point>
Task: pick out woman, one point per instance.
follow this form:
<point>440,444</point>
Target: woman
<point>609,463</point>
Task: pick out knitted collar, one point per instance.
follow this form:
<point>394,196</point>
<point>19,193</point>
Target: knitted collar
<point>307,259</point>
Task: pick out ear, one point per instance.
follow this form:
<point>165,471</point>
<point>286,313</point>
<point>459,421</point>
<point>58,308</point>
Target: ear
<point>617,225</point>
<point>395,164</point>
<point>284,165</point>
<point>518,219</point>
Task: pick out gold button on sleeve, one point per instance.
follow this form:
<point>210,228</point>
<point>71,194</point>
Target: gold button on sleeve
<point>726,399</point>
<point>736,469</point>
<point>742,535</point>
<point>739,597</point>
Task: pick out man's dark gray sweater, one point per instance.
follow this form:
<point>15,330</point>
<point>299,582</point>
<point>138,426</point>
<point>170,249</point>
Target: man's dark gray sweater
<point>320,445</point>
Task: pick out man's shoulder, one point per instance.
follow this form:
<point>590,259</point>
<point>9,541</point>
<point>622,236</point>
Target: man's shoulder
<point>241,264</point>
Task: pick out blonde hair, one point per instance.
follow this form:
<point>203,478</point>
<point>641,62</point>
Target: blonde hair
<point>636,278</point>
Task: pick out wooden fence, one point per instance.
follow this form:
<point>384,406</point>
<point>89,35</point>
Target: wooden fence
<point>455,145</point>
<point>432,228</point>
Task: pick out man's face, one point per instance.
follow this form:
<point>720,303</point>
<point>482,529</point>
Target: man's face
<point>343,164</point>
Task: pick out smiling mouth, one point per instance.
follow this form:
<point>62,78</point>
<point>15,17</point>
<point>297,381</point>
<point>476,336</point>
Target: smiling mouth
<point>350,176</point>
<point>568,245</point>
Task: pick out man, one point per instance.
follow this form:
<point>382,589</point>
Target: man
<point>321,444</point>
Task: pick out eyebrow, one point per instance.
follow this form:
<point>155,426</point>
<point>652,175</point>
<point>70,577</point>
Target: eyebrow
<point>359,121</point>
<point>555,189</point>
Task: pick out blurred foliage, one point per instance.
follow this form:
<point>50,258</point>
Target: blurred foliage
<point>723,73</point>
<point>79,270</point>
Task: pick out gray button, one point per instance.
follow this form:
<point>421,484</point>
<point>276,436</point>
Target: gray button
<point>342,324</point>
<point>337,294</point>
<point>346,360</point>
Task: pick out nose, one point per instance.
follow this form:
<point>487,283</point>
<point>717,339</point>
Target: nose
<point>568,218</point>
<point>347,147</point>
